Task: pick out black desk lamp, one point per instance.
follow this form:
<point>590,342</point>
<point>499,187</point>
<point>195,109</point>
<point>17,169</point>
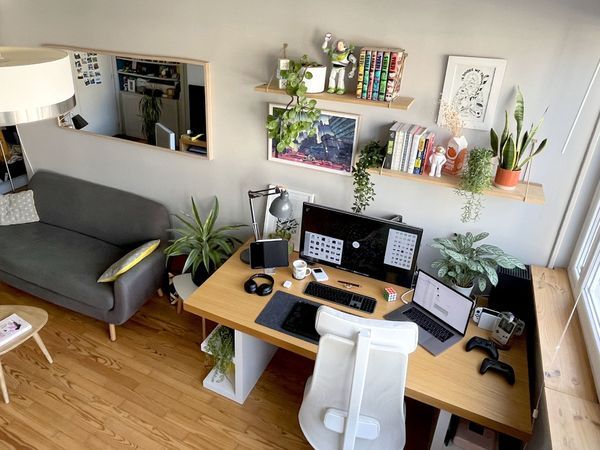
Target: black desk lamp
<point>281,208</point>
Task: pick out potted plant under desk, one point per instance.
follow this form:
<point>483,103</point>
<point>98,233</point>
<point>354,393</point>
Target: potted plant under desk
<point>462,265</point>
<point>512,149</point>
<point>205,247</point>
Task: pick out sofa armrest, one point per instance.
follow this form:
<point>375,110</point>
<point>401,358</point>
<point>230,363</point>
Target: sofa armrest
<point>137,285</point>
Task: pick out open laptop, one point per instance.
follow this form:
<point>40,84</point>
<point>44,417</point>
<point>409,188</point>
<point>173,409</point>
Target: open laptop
<point>441,313</point>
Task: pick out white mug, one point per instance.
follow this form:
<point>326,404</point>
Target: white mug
<point>300,269</point>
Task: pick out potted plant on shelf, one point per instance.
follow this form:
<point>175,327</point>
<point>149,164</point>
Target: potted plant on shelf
<point>462,265</point>
<point>512,151</point>
<point>220,347</point>
<point>474,180</point>
<point>364,189</point>
<point>315,83</point>
<point>150,107</point>
<point>206,247</point>
<point>300,114</point>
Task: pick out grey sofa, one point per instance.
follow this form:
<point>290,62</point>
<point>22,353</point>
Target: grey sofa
<point>83,229</point>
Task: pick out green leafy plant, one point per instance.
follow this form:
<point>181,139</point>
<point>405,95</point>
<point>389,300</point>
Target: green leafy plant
<point>463,265</point>
<point>220,347</point>
<point>473,181</point>
<point>512,149</point>
<point>150,108</point>
<point>300,114</point>
<point>204,245</point>
<point>371,155</point>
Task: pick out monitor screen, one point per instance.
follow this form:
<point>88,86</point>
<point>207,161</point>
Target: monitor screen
<point>382,249</point>
<point>442,301</point>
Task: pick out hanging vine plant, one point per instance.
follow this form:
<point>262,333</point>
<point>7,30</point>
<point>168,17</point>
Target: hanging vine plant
<point>475,179</point>
<point>364,189</point>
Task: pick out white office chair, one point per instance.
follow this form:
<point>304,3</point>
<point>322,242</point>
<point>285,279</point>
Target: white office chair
<point>355,397</point>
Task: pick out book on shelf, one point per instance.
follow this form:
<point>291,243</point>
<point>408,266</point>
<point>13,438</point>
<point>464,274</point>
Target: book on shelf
<point>387,161</point>
<point>398,146</point>
<point>426,165</point>
<point>414,149</point>
<point>361,72</point>
<point>367,73</point>
<point>12,327</point>
<point>379,73</point>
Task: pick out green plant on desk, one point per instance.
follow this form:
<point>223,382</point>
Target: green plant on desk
<point>221,348</point>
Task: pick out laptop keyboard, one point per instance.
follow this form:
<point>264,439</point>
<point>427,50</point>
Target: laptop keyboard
<point>429,325</point>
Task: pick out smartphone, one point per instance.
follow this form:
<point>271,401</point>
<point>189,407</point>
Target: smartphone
<point>319,274</point>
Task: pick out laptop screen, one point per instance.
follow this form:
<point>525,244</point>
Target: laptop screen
<point>442,301</point>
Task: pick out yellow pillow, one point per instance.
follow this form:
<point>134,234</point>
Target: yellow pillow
<point>128,261</point>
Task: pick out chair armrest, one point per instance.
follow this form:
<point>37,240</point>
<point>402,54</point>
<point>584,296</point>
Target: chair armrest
<point>138,284</point>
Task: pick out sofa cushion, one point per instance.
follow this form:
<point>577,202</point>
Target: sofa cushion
<point>60,260</point>
<point>109,214</point>
<point>128,261</point>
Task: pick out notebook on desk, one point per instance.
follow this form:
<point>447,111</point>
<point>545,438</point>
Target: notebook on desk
<point>441,313</point>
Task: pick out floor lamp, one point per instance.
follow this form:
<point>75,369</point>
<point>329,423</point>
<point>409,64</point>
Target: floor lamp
<point>35,84</point>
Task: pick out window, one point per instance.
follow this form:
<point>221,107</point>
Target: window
<point>584,275</point>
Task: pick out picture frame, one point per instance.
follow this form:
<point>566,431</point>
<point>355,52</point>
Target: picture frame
<point>473,86</point>
<point>297,198</point>
<point>335,154</point>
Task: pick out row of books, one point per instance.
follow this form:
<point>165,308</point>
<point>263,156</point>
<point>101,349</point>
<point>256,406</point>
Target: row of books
<point>409,147</point>
<point>380,73</point>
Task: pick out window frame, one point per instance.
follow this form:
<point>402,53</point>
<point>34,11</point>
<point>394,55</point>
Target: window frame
<point>584,270</point>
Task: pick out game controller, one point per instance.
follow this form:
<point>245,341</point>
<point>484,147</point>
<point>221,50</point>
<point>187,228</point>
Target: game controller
<point>484,344</point>
<point>498,366</point>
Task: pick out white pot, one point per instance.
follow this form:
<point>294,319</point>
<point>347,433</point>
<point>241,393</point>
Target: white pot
<point>463,290</point>
<point>317,83</point>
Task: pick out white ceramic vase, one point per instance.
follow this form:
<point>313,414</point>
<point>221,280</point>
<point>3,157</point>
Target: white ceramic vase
<point>465,291</point>
<point>317,83</point>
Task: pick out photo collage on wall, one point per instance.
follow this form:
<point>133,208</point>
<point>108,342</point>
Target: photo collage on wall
<point>88,68</point>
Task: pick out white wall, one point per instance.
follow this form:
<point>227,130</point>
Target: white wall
<point>551,46</point>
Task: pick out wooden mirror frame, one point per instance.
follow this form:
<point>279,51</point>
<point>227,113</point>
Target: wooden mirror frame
<point>207,93</point>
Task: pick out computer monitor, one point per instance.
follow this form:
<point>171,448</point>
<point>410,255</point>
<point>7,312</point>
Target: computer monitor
<point>164,137</point>
<point>378,248</point>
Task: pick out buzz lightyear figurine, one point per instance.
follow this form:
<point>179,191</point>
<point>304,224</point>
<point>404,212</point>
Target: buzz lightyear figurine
<point>340,55</point>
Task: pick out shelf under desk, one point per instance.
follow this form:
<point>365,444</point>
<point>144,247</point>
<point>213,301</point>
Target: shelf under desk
<point>450,381</point>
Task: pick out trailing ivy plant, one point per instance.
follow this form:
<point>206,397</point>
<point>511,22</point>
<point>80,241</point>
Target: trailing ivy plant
<point>463,265</point>
<point>475,179</point>
<point>300,114</point>
<point>220,346</point>
<point>364,189</point>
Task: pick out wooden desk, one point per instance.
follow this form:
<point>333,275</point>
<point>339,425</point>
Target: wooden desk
<point>450,381</point>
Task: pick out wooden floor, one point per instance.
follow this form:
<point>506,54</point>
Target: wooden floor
<point>145,389</point>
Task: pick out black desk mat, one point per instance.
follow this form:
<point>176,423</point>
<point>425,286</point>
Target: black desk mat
<point>275,312</point>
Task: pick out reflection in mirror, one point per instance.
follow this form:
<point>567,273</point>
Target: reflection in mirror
<point>158,102</point>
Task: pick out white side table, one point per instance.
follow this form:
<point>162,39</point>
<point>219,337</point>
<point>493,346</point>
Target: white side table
<point>184,286</point>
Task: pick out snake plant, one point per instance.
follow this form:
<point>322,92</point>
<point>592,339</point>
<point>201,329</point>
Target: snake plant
<point>512,149</point>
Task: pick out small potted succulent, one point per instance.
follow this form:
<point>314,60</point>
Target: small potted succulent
<point>476,178</point>
<point>511,149</point>
<point>205,247</point>
<point>300,114</point>
<point>463,265</point>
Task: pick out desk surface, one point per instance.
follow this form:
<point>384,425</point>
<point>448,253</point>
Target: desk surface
<point>450,381</point>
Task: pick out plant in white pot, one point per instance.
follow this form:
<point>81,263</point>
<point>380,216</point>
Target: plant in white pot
<point>463,265</point>
<point>511,149</point>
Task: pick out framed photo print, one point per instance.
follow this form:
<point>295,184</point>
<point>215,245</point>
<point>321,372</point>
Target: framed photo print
<point>331,149</point>
<point>472,85</point>
<point>291,225</point>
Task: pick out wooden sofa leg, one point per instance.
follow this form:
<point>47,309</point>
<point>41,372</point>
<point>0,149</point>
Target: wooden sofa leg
<point>160,292</point>
<point>112,331</point>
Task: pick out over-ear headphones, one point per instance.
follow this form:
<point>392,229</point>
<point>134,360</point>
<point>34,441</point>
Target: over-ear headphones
<point>251,287</point>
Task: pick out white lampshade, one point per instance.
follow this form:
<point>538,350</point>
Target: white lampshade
<point>35,84</point>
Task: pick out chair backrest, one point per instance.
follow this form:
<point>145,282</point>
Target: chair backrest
<point>109,214</point>
<point>355,398</point>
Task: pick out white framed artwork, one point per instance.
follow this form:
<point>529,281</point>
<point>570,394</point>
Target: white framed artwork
<point>297,198</point>
<point>473,85</point>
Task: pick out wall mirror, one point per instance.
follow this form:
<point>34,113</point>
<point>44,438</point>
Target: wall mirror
<point>158,101</point>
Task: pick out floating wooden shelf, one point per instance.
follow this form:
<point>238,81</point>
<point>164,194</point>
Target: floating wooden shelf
<point>529,193</point>
<point>348,97</point>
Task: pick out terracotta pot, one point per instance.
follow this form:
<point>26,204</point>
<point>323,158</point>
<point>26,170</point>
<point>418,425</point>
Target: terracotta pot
<point>507,179</point>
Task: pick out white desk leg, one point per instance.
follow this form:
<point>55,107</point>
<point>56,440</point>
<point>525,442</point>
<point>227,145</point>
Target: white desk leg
<point>251,358</point>
<point>437,443</point>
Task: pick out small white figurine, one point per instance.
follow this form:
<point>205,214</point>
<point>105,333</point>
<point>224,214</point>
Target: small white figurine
<point>437,161</point>
<point>340,55</point>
